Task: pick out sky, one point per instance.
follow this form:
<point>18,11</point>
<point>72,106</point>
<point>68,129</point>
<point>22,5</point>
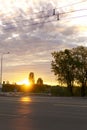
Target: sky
<point>30,33</point>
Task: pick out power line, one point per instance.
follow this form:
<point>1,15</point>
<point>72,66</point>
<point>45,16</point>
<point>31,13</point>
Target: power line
<point>71,4</point>
<point>59,7</point>
<point>57,20</point>
<point>54,9</point>
<point>50,21</point>
<point>48,16</point>
<point>57,15</point>
<point>73,11</point>
<point>75,17</point>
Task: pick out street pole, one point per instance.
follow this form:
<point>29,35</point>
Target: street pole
<point>1,80</point>
<point>1,69</point>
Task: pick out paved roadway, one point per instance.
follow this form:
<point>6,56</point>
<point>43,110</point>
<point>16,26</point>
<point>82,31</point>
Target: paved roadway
<point>43,113</point>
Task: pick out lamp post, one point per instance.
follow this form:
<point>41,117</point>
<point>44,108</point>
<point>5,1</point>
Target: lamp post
<point>1,82</point>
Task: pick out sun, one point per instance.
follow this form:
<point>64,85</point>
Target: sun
<point>24,82</point>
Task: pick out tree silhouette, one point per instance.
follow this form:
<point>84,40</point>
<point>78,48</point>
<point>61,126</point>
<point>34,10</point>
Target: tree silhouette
<point>80,60</point>
<point>40,81</point>
<point>71,66</point>
<point>62,66</point>
<point>31,78</point>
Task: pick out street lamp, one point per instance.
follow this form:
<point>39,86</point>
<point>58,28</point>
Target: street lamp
<point>2,68</point>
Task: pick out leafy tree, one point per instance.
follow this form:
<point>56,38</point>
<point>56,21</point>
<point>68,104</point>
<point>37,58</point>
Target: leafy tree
<point>40,81</point>
<point>80,60</point>
<point>31,78</point>
<point>63,67</point>
<point>71,66</point>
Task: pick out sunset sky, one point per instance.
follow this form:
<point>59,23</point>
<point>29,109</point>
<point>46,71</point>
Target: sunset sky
<point>31,44</point>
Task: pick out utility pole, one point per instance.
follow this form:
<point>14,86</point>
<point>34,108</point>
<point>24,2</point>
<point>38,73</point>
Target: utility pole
<point>1,76</point>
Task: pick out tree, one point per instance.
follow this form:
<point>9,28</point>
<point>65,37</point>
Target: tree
<point>31,78</point>
<point>71,66</point>
<point>40,81</point>
<point>63,67</point>
<point>80,59</point>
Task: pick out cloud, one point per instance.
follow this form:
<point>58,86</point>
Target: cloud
<point>30,44</point>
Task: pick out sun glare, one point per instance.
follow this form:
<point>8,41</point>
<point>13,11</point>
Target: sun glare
<point>24,82</point>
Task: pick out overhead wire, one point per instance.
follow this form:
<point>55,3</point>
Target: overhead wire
<point>59,18</point>
<point>60,7</point>
<point>52,15</point>
<point>49,16</point>
<point>52,21</point>
<point>55,10</point>
<point>71,4</point>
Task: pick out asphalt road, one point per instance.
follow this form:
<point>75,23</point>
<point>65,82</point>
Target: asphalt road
<point>43,113</point>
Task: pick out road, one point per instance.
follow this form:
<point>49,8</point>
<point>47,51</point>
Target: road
<point>43,113</point>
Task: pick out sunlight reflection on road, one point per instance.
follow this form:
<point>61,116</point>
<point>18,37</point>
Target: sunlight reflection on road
<point>25,99</point>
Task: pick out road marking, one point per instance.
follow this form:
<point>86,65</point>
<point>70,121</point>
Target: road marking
<point>9,115</point>
<point>13,115</point>
<point>70,105</point>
